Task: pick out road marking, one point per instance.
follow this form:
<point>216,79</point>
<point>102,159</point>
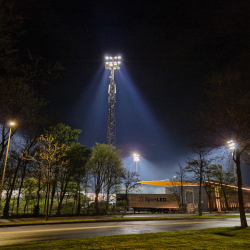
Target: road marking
<point>98,227</point>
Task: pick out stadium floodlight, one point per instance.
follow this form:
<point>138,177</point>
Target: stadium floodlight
<point>136,157</point>
<point>112,62</point>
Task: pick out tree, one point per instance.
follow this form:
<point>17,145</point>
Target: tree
<point>224,179</point>
<point>113,178</point>
<point>178,188</point>
<point>64,135</point>
<point>50,156</point>
<point>103,158</point>
<point>130,182</point>
<point>19,77</point>
<point>226,116</point>
<point>209,187</point>
<point>9,29</point>
<point>19,167</point>
<point>77,170</point>
<point>29,190</point>
<point>199,166</point>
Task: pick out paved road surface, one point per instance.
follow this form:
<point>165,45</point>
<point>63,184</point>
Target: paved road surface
<point>15,235</point>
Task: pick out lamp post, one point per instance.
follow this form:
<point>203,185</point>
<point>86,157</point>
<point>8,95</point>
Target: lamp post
<point>231,145</point>
<point>136,159</point>
<point>10,124</point>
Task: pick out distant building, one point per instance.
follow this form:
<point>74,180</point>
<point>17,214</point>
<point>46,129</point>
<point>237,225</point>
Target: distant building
<point>192,195</point>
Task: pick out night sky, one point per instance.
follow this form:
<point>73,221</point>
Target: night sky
<point>168,49</point>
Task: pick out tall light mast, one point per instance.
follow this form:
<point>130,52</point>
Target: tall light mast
<point>112,63</point>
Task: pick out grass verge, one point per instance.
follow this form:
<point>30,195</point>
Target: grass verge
<point>216,238</point>
<point>11,224</point>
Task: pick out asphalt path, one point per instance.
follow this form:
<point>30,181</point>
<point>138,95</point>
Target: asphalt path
<point>24,234</point>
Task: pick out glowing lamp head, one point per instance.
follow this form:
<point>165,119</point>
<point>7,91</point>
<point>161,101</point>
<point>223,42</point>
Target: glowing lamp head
<point>112,63</point>
<point>136,157</point>
<point>231,144</point>
<point>11,124</point>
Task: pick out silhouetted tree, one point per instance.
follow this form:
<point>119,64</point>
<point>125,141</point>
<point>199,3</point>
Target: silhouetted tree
<point>130,184</point>
<point>225,179</point>
<point>178,188</point>
<point>199,165</point>
<point>226,116</point>
<point>104,158</point>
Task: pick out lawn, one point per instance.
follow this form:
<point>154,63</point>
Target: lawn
<point>216,238</point>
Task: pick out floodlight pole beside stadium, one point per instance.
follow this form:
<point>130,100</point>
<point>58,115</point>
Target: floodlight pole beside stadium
<point>112,63</point>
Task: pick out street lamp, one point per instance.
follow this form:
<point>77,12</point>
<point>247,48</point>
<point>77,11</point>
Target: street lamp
<point>136,159</point>
<point>232,146</point>
<point>10,125</point>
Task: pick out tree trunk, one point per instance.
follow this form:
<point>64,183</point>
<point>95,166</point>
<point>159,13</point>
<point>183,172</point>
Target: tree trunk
<point>63,190</point>
<point>48,191</point>
<point>3,141</point>
<point>96,202</point>
<point>8,198</point>
<point>209,198</point>
<point>79,200</point>
<point>200,209</point>
<point>62,195</point>
<point>107,203</point>
<point>27,201</point>
<point>226,203</point>
<point>20,188</point>
<point>240,194</point>
<point>37,206</point>
<point>52,197</point>
<point>45,200</point>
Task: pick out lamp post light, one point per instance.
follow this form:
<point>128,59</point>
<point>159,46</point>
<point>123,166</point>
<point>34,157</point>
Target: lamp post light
<point>136,159</point>
<point>10,124</point>
<point>232,146</point>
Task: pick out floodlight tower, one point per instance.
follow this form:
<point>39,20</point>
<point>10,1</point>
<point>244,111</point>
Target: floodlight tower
<point>112,63</point>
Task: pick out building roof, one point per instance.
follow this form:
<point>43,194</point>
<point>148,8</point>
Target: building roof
<point>168,183</point>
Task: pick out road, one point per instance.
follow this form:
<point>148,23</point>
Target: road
<point>23,234</point>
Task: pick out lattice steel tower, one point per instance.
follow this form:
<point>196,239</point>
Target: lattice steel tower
<point>112,63</point>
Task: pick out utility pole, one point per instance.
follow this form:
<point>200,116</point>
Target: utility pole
<point>112,63</point>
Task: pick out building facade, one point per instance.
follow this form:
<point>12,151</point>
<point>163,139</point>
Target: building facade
<point>212,195</point>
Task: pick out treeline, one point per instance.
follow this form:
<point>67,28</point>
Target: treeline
<point>45,162</point>
<point>55,165</point>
